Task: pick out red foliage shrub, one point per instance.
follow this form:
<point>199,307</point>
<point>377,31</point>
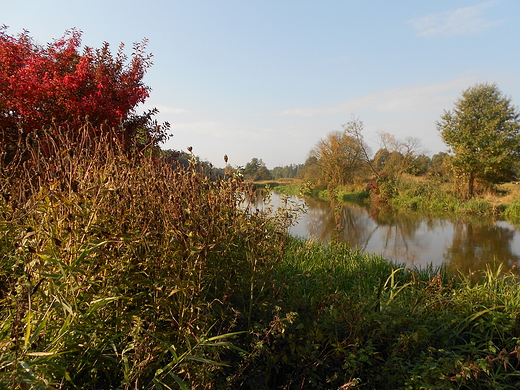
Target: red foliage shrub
<point>61,86</point>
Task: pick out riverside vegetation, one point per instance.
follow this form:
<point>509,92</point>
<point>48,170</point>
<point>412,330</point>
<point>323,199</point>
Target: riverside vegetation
<point>126,271</point>
<point>126,267</point>
<point>426,195</point>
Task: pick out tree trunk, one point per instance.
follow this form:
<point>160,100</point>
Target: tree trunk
<point>471,184</point>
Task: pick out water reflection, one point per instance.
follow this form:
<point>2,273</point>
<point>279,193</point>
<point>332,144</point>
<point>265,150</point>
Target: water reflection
<point>481,244</point>
<point>461,244</point>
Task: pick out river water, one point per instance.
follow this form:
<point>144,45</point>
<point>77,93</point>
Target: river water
<point>460,244</point>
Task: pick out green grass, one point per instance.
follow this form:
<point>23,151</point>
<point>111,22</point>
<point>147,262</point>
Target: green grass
<point>288,189</point>
<point>345,318</point>
<point>512,212</point>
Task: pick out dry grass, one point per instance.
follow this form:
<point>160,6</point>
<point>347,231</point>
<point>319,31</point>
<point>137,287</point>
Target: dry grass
<point>123,271</point>
<point>505,194</point>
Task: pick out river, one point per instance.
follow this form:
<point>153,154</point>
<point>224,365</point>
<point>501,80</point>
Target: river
<point>460,244</point>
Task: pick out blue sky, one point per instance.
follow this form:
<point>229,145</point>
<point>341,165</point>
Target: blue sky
<point>269,78</point>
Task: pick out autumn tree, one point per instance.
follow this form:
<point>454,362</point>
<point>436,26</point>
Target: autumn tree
<point>60,85</point>
<point>341,155</point>
<point>397,156</point>
<point>310,170</point>
<point>482,132</point>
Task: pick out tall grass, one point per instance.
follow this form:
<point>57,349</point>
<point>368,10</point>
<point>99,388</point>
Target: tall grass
<point>123,271</point>
<point>512,212</point>
<point>344,319</point>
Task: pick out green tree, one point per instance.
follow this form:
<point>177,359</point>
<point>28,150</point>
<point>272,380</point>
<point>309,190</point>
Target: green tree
<point>419,165</point>
<point>256,170</point>
<point>482,133</point>
<point>251,168</point>
<point>438,163</point>
<point>263,173</point>
<point>287,171</point>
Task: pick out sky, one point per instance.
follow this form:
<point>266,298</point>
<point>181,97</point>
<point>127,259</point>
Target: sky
<point>270,78</point>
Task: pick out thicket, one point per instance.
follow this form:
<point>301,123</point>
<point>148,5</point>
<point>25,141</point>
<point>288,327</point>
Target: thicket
<point>123,271</point>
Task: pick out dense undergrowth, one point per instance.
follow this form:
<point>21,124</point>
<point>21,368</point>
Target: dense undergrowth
<point>119,271</point>
<point>127,272</point>
<point>353,320</point>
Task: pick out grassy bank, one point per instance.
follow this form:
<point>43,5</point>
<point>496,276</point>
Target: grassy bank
<point>346,319</point>
<point>432,197</point>
<point>126,272</point>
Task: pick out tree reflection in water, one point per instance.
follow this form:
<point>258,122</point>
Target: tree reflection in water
<point>466,245</point>
<point>481,244</point>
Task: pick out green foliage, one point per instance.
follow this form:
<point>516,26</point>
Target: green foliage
<point>512,212</point>
<point>287,172</point>
<point>438,164</point>
<point>288,189</point>
<point>435,197</point>
<point>345,319</point>
<point>353,197</point>
<point>478,206</point>
<point>482,132</point>
<point>419,165</point>
<point>256,170</point>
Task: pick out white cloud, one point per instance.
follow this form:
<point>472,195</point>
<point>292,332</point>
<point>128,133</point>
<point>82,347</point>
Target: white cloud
<point>419,99</point>
<point>461,21</point>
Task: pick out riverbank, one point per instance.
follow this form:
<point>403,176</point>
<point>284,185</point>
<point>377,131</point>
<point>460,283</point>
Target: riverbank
<point>372,324</point>
<point>428,197</point>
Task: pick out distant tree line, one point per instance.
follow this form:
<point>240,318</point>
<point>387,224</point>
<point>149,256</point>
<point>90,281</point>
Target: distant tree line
<point>329,162</point>
<point>482,134</point>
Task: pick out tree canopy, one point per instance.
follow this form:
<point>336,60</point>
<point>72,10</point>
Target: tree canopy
<point>256,170</point>
<point>341,155</point>
<point>60,85</point>
<point>482,132</point>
